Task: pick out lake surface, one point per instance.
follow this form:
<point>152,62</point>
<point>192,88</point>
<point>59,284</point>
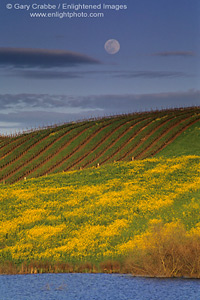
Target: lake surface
<point>96,287</point>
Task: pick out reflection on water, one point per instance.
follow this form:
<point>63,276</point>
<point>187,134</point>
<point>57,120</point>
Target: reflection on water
<point>96,287</point>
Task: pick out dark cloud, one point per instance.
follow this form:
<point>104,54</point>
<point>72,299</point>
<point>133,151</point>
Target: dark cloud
<point>151,74</point>
<point>55,74</point>
<point>175,53</point>
<point>31,58</point>
<point>46,74</point>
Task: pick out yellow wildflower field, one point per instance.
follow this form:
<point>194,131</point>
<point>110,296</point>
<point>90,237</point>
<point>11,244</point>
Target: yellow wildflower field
<point>97,213</point>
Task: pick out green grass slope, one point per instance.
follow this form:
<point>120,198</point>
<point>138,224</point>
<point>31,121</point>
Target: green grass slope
<point>188,142</point>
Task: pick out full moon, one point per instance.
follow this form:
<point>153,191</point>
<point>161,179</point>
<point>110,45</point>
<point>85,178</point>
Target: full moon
<point>112,46</point>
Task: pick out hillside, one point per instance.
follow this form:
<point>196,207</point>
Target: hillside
<point>85,144</point>
<point>99,214</point>
<point>128,199</point>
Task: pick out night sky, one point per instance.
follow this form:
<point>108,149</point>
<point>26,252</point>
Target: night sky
<point>56,69</point>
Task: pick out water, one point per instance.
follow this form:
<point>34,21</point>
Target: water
<point>95,287</point>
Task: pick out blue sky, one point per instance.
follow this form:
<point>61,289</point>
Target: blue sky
<point>56,69</point>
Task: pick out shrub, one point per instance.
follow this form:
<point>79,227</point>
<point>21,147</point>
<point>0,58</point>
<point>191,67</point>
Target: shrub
<point>166,250</point>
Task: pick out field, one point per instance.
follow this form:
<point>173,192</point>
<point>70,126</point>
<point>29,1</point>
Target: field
<point>118,216</point>
<point>86,144</point>
<point>97,214</point>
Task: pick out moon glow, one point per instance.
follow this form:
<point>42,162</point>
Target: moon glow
<point>112,46</point>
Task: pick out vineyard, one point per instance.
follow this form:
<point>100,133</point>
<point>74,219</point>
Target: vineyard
<point>92,143</point>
